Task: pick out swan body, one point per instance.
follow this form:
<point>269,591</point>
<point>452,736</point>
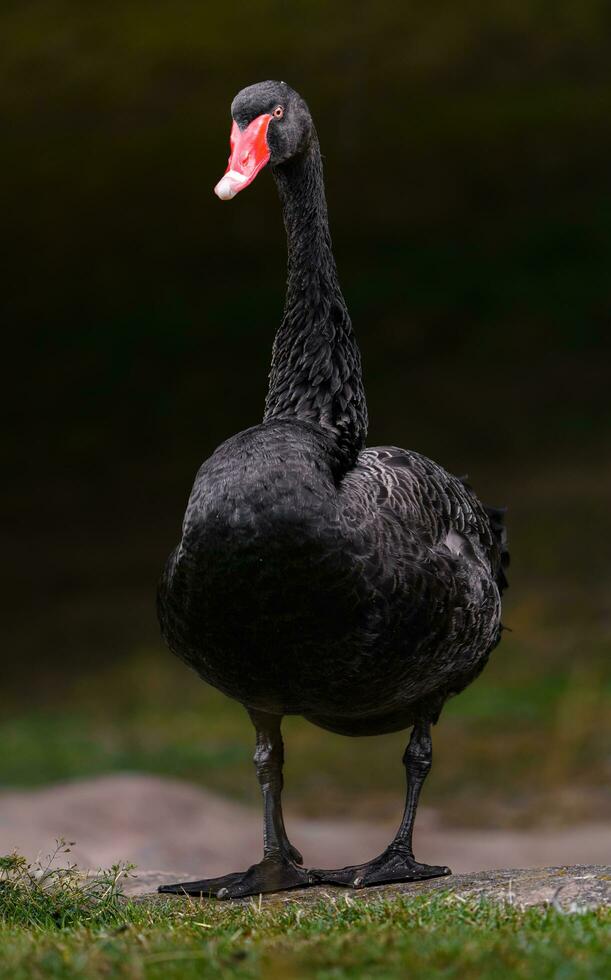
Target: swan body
<point>351,602</point>
<point>358,587</point>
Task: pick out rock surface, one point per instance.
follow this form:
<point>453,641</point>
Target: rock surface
<point>162,823</point>
<point>571,889</point>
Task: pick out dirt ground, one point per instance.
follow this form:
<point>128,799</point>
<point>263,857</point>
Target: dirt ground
<point>165,824</point>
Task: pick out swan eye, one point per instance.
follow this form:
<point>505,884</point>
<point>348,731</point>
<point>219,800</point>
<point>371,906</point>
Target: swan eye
<point>278,112</point>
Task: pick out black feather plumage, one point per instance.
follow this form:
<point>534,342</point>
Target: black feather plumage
<point>357,587</point>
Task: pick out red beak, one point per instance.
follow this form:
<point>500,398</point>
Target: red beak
<point>249,154</point>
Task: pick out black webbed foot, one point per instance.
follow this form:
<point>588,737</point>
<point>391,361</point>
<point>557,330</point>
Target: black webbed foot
<point>273,874</point>
<point>393,865</point>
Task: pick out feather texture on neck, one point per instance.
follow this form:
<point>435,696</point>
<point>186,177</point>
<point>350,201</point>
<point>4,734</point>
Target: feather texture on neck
<point>316,364</point>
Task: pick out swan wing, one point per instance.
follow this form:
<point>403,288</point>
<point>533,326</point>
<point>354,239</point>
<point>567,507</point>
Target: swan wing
<point>440,510</point>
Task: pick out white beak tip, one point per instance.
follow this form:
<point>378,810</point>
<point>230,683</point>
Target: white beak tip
<point>224,189</point>
<point>229,185</point>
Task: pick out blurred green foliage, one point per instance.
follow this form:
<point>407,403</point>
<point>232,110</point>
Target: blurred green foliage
<point>468,158</point>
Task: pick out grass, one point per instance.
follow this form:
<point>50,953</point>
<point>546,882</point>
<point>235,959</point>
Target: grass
<point>49,895</point>
<point>55,924</point>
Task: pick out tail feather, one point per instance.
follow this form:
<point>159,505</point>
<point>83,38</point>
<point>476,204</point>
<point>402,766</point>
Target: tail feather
<point>496,516</point>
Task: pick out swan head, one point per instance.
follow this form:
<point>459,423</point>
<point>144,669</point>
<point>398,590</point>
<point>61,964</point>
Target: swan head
<point>271,124</point>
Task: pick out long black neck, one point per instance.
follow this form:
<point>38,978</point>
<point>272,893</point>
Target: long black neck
<point>316,364</point>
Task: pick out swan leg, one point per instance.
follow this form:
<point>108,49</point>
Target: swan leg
<point>397,862</point>
<point>280,868</point>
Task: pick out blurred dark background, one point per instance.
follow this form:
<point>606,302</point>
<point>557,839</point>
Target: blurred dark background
<point>468,164</point>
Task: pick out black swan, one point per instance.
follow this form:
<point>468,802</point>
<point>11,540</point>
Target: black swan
<point>357,587</point>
